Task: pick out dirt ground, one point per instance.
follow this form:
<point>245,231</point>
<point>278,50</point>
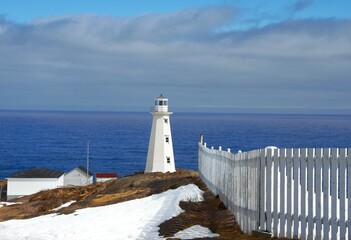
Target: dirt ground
<point>2,191</point>
<point>209,213</point>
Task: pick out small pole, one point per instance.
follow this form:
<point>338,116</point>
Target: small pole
<point>201,138</point>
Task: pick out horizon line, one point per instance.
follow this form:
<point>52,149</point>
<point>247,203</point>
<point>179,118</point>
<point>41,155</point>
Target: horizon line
<point>194,112</point>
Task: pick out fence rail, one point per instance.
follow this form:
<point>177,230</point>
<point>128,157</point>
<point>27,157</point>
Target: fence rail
<point>292,193</point>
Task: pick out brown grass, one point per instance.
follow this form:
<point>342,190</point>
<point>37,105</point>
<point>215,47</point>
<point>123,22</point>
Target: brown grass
<point>123,196</point>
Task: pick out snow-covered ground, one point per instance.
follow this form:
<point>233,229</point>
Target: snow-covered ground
<point>136,219</point>
<point>64,205</point>
<point>2,204</point>
<point>195,231</point>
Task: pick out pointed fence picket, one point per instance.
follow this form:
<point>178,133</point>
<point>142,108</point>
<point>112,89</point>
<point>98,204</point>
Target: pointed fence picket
<point>326,166</point>
<point>288,194</point>
<point>318,204</point>
<point>292,193</point>
<point>275,193</point>
<point>303,194</point>
<point>296,154</point>
<point>342,168</point>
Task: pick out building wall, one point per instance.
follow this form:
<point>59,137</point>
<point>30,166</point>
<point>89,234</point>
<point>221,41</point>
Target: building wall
<point>77,178</point>
<point>17,187</point>
<point>159,148</point>
<point>104,179</point>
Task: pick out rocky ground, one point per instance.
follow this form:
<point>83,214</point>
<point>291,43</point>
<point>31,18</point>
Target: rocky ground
<point>210,213</point>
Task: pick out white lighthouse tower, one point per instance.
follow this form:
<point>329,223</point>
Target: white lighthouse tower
<point>160,156</point>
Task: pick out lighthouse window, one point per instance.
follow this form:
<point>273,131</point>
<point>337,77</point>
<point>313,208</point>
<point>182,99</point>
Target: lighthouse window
<point>166,120</point>
<point>156,102</point>
<point>165,102</point>
<point>167,139</point>
<point>168,159</point>
<point>160,103</point>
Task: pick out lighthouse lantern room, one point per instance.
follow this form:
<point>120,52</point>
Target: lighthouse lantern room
<point>160,157</point>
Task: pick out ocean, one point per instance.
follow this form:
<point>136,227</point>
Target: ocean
<point>118,141</point>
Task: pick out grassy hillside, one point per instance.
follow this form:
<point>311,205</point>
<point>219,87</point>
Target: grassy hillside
<point>210,213</point>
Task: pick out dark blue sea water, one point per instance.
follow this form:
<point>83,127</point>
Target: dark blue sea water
<point>119,141</point>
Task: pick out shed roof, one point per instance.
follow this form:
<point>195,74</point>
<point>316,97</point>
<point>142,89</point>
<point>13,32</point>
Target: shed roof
<point>37,173</point>
<point>106,175</point>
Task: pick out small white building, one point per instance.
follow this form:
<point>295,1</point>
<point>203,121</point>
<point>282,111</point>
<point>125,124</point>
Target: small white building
<point>31,181</point>
<point>78,177</point>
<point>160,157</point>
<point>103,177</point>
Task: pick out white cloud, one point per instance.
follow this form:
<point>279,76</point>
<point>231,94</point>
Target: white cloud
<point>96,62</point>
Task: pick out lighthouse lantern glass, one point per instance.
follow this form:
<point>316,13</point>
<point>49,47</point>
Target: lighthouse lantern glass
<point>161,104</point>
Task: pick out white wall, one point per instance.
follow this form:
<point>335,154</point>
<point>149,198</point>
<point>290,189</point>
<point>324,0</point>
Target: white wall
<point>77,178</point>
<point>26,186</point>
<point>103,179</point>
<point>159,149</point>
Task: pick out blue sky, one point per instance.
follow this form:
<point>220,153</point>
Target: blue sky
<point>25,11</point>
<point>226,56</point>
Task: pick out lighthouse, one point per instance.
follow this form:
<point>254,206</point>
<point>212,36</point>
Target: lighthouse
<point>160,157</point>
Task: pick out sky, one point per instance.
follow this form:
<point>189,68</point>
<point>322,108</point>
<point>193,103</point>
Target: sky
<point>239,56</point>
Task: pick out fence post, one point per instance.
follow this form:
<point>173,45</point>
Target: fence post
<point>303,192</point>
<point>282,160</point>
<point>334,186</point>
<point>326,167</point>
<point>268,192</point>
<point>289,226</point>
<point>296,155</point>
<point>318,205</point>
<point>342,167</point>
<point>201,138</point>
<point>310,178</point>
<point>262,190</point>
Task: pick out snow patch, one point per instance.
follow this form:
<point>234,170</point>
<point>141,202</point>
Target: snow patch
<point>195,231</point>
<point>136,219</point>
<point>64,205</point>
<point>2,204</point>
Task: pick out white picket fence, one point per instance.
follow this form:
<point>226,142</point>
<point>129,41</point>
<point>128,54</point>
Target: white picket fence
<point>292,193</point>
<point>235,178</point>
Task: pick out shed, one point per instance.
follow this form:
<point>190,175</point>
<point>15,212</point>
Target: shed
<point>103,177</point>
<point>33,180</point>
<point>78,177</point>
